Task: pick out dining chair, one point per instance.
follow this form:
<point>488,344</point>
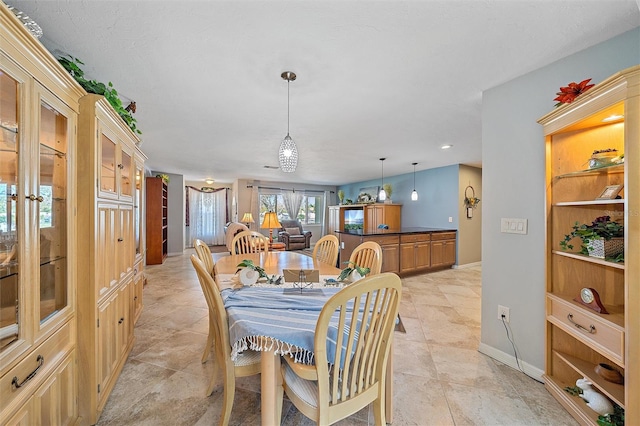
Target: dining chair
<point>249,242</point>
<point>246,364</point>
<point>204,254</point>
<point>360,319</point>
<point>367,255</point>
<point>326,250</point>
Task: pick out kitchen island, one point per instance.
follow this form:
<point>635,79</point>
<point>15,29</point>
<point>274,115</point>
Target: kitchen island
<point>405,250</point>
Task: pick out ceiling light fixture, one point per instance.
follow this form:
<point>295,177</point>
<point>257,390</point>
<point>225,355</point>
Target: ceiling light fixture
<point>288,154</point>
<point>446,146</point>
<point>209,181</point>
<point>382,195</point>
<point>414,193</point>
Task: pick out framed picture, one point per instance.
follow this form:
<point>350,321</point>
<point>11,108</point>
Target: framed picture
<point>368,194</point>
<point>609,192</point>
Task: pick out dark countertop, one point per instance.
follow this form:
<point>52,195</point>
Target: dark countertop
<point>362,232</point>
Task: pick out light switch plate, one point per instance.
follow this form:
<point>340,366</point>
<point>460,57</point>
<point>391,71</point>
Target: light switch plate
<point>513,225</point>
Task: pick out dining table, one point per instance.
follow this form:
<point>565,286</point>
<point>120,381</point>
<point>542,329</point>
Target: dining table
<point>267,303</point>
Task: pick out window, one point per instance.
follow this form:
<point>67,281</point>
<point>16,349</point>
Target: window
<point>310,210</point>
<point>7,208</point>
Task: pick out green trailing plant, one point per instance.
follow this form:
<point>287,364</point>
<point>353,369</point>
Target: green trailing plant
<point>346,272</point>
<point>614,419</point>
<point>72,65</point>
<point>248,263</point>
<point>602,227</point>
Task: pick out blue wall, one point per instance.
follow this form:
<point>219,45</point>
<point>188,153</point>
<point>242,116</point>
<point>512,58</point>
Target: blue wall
<point>437,196</point>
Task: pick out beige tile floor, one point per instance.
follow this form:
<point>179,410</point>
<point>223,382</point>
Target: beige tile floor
<point>440,377</point>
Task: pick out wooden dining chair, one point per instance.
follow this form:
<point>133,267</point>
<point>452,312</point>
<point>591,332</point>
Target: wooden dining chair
<point>338,385</point>
<point>246,364</point>
<point>249,242</point>
<point>326,250</point>
<point>367,255</point>
<point>204,254</point>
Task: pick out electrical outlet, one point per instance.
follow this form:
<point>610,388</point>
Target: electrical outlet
<point>503,313</point>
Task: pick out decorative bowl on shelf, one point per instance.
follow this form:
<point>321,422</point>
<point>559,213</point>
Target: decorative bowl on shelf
<point>609,373</point>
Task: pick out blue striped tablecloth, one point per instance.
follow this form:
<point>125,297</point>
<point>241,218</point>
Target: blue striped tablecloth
<point>279,319</point>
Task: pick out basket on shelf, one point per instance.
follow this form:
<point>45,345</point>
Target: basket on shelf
<point>601,248</point>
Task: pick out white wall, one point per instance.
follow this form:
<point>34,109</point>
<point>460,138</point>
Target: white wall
<point>514,186</point>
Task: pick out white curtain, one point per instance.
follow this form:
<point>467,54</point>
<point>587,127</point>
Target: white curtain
<point>292,202</point>
<point>207,216</point>
<point>255,208</point>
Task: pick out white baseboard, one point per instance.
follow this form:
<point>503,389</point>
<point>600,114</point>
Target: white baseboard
<point>180,253</point>
<point>510,360</point>
<point>467,265</point>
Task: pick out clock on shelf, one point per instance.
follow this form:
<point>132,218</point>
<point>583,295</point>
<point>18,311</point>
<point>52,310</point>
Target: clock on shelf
<point>591,299</point>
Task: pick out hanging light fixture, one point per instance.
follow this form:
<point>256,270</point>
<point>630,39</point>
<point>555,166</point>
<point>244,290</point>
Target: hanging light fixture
<point>414,193</point>
<point>288,154</point>
<point>382,195</point>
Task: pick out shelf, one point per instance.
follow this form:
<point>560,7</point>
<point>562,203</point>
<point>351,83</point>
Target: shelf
<point>573,403</point>
<point>589,259</point>
<point>586,369</point>
<point>589,203</point>
<point>618,168</point>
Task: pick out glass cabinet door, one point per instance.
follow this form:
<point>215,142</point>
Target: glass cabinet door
<point>107,164</point>
<point>9,278</point>
<point>52,210</point>
<point>125,167</point>
<point>137,206</point>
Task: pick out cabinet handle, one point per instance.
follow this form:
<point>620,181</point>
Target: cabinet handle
<point>590,330</point>
<point>15,383</point>
<point>32,197</point>
<point>120,166</point>
<point>120,240</point>
<point>121,321</point>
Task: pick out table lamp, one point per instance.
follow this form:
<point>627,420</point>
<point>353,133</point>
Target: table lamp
<point>247,219</point>
<point>270,222</point>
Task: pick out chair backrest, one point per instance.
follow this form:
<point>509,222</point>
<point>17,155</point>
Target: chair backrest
<point>231,230</point>
<point>360,319</point>
<point>367,255</point>
<point>326,250</point>
<point>249,242</point>
<point>217,311</point>
<point>291,223</point>
<point>204,254</point>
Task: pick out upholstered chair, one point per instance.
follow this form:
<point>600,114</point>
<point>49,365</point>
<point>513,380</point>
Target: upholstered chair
<point>293,236</point>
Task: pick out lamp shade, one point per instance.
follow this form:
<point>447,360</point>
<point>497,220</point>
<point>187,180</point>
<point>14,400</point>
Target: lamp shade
<point>270,221</point>
<point>247,218</point>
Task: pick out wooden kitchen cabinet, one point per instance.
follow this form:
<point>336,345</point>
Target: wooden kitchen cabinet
<point>415,252</point>
<point>443,249</point>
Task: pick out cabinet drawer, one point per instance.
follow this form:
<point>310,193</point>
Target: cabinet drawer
<point>605,337</point>
<point>412,238</point>
<point>383,239</point>
<point>52,351</point>
<point>443,236</point>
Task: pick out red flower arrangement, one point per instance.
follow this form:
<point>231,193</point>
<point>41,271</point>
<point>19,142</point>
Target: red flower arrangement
<point>568,94</point>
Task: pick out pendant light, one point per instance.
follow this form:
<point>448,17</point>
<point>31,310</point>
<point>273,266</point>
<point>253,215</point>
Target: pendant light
<point>288,154</point>
<point>414,193</point>
<point>382,195</point>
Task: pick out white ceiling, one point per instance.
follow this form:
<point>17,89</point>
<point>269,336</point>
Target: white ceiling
<point>393,79</point>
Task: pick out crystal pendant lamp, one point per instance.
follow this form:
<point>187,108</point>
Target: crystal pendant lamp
<point>288,154</point>
<point>383,194</point>
<point>414,193</point>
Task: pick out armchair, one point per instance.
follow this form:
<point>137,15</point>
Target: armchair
<point>293,236</point>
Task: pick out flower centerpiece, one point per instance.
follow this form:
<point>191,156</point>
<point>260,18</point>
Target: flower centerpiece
<point>603,238</point>
<point>353,272</point>
<point>250,273</point>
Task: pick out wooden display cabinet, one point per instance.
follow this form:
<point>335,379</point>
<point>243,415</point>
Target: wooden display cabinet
<point>157,221</point>
<point>110,165</point>
<point>579,338</point>
<point>38,252</point>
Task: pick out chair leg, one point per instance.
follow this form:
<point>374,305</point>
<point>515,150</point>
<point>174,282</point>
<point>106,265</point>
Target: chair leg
<point>214,376</point>
<point>279,397</point>
<point>378,412</point>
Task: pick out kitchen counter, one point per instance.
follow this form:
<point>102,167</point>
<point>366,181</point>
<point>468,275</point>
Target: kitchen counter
<point>401,231</point>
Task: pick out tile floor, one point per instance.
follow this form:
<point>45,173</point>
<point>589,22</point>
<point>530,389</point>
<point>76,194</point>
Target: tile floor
<point>440,377</point>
